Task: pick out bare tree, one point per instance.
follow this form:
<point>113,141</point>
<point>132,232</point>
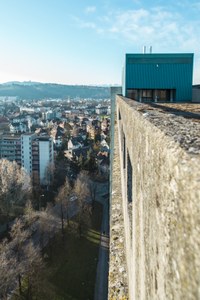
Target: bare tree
<point>12,257</point>
<point>37,192</point>
<point>19,259</point>
<point>93,191</point>
<point>81,191</point>
<point>29,213</point>
<point>48,224</point>
<point>49,172</point>
<point>33,267</point>
<point>19,236</point>
<point>14,186</point>
<point>8,269</point>
<point>63,201</point>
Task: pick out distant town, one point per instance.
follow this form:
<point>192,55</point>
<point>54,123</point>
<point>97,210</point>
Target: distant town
<point>54,182</point>
<point>75,128</point>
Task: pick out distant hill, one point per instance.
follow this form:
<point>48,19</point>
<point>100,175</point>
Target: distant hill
<point>35,90</point>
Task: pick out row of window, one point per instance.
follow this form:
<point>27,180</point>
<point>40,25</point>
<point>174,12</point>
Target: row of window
<point>151,94</point>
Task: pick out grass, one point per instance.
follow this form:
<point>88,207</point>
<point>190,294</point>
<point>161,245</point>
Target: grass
<point>71,269</point>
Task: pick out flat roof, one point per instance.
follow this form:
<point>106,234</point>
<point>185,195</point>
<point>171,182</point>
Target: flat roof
<point>162,55</point>
<point>161,58</point>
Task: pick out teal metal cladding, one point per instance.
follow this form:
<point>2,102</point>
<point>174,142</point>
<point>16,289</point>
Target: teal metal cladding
<point>160,71</point>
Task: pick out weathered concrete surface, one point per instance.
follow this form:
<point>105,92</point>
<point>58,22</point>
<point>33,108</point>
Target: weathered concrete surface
<point>162,238</point>
<point>101,285</point>
<point>118,289</point>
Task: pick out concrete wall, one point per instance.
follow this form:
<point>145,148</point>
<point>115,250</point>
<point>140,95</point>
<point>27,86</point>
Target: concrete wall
<point>118,283</point>
<point>162,218</point>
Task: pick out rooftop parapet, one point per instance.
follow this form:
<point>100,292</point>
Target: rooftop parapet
<point>158,201</point>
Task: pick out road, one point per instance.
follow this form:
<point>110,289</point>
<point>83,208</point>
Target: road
<point>101,285</point>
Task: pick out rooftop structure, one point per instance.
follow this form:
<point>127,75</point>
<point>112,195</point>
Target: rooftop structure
<point>158,77</point>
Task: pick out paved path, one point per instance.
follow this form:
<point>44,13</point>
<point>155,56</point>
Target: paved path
<point>101,285</point>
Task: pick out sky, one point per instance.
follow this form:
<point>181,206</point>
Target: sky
<point>85,41</point>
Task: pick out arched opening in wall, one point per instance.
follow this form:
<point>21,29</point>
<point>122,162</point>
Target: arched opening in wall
<point>123,145</point>
<point>124,150</point>
<point>119,115</point>
<point>129,192</point>
<point>129,179</point>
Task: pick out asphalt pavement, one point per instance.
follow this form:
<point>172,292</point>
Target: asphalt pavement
<point>101,285</point>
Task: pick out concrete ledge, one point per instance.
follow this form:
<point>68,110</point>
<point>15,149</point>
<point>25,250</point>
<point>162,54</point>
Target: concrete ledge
<point>160,256</point>
<point>118,285</point>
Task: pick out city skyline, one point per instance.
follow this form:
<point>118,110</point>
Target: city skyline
<point>85,43</point>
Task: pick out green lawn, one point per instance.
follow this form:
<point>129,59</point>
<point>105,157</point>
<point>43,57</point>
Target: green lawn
<point>71,271</point>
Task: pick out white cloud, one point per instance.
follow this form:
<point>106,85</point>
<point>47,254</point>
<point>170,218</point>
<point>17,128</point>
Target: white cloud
<point>90,9</point>
<point>84,24</point>
<point>185,4</point>
<point>164,29</point>
<point>88,25</point>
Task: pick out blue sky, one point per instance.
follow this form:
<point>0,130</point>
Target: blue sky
<point>85,41</point>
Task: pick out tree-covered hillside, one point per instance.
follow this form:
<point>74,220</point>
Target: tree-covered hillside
<point>49,90</point>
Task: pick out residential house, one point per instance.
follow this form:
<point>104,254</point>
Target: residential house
<point>75,143</point>
<point>101,110</point>
<point>4,124</point>
<point>18,127</point>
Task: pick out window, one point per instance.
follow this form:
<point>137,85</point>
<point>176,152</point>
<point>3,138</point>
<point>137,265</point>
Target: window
<point>163,95</point>
<point>132,94</point>
<point>147,95</point>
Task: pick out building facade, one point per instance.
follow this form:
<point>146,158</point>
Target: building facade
<point>46,159</point>
<point>34,153</point>
<point>152,77</point>
<point>196,93</point>
<point>10,147</point>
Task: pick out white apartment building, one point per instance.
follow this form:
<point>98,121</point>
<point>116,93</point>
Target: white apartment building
<point>26,152</point>
<point>37,156</point>
<point>34,153</point>
<point>46,159</point>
